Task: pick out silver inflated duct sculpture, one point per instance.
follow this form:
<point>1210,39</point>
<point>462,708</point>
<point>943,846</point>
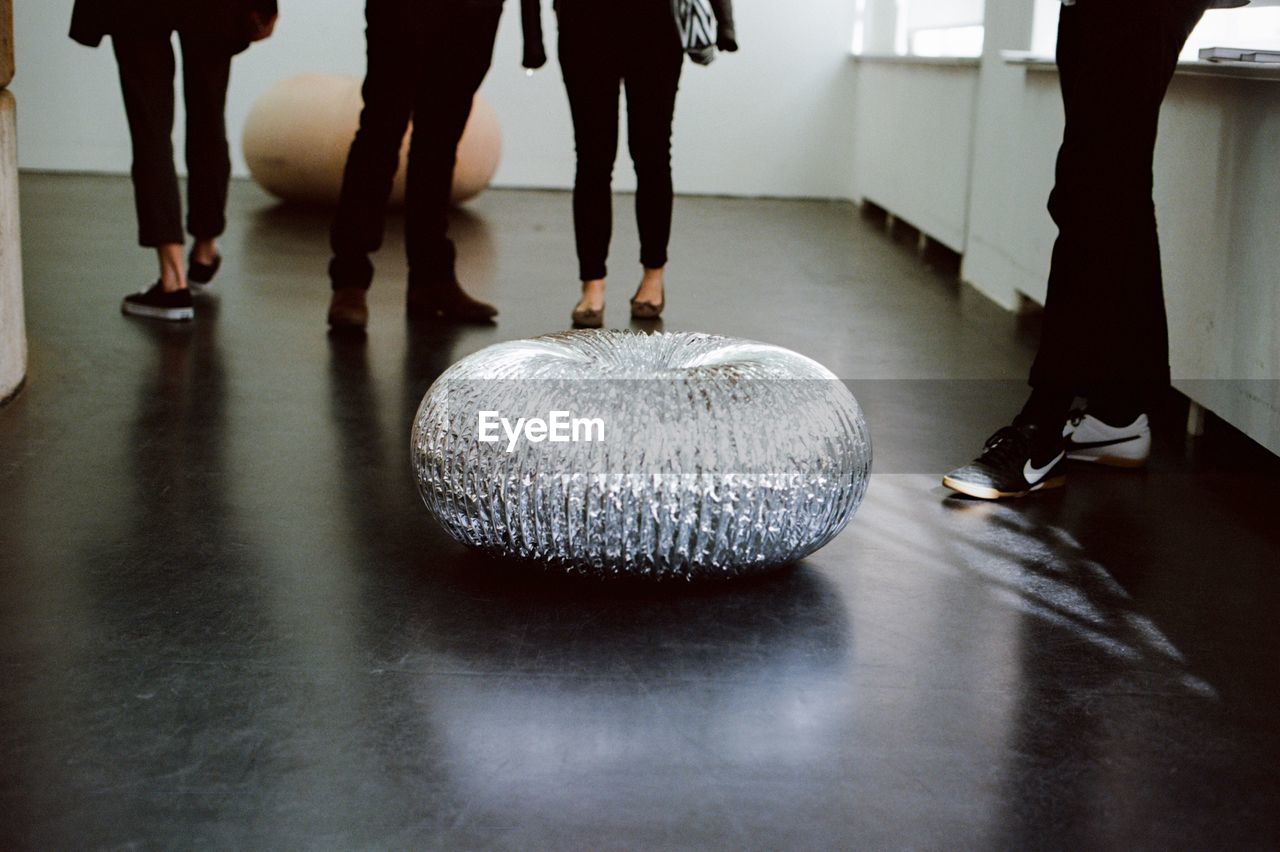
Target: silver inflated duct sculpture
<point>667,455</point>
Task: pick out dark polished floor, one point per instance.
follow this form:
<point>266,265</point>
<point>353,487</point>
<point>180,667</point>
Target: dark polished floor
<point>227,620</point>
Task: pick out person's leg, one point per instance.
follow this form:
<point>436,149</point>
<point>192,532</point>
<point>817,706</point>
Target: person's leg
<point>454,48</point>
<point>374,158</point>
<point>592,80</point>
<point>1105,333</point>
<point>206,72</point>
<point>1104,330</point>
<point>652,78</point>
<point>146,65</point>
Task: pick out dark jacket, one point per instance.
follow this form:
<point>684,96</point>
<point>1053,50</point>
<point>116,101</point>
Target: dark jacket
<point>535,51</point>
<point>726,32</point>
<point>225,19</point>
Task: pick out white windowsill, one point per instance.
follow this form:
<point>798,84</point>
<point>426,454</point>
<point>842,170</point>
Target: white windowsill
<point>1233,70</point>
<point>932,61</point>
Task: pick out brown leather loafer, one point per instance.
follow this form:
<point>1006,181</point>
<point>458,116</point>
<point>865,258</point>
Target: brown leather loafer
<point>447,302</point>
<point>347,310</point>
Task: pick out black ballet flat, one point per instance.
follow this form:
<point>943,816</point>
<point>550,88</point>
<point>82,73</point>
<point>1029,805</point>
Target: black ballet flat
<point>200,275</point>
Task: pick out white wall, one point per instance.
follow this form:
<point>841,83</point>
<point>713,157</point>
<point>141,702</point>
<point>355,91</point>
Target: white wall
<point>916,161</point>
<point>775,119</point>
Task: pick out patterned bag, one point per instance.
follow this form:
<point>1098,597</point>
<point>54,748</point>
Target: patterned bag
<point>697,24</point>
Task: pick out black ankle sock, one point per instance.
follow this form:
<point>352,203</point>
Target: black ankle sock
<point>1047,406</point>
<point>1114,410</point>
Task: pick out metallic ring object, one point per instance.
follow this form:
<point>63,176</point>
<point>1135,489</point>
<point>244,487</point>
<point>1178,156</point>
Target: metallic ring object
<point>623,454</point>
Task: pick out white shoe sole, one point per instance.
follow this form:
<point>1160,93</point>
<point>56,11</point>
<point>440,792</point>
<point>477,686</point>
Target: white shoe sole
<point>1112,459</point>
<point>171,314</point>
<point>984,493</point>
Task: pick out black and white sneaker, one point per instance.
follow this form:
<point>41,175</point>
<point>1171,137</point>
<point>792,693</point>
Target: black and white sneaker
<point>1015,461</point>
<point>157,304</point>
<point>1087,438</point>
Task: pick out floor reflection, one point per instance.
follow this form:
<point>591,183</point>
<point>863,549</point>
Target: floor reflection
<point>1028,561</point>
<point>572,688</point>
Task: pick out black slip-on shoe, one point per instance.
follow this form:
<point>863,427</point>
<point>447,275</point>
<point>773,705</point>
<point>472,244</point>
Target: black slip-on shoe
<point>155,303</point>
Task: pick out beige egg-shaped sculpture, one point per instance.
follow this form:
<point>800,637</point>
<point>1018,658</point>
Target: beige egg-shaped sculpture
<point>299,131</point>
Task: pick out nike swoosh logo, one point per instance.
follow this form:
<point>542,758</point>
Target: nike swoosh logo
<point>1094,445</point>
<point>1034,474</point>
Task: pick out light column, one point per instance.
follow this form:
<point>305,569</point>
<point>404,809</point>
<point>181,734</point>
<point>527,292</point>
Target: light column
<point>13,336</point>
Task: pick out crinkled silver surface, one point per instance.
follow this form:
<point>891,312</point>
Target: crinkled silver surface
<point>717,456</point>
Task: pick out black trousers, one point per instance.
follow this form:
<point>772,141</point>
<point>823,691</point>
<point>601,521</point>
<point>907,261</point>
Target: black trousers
<point>1105,334</point>
<point>425,62</point>
<point>603,47</point>
<point>147,68</point>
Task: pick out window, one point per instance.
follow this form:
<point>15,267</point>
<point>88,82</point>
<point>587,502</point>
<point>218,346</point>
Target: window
<point>946,41</point>
<point>1256,27</point>
<point>919,27</point>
